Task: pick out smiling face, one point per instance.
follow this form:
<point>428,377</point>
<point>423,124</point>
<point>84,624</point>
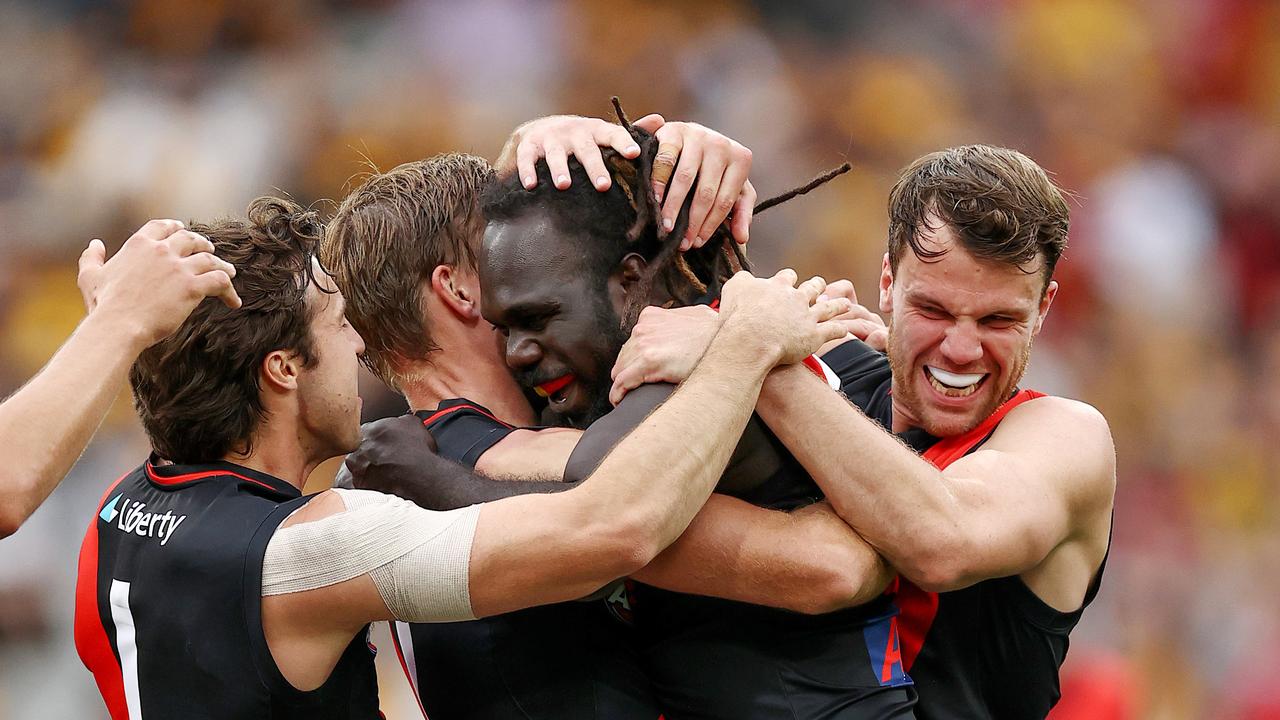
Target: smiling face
<point>960,333</point>
<point>559,317</point>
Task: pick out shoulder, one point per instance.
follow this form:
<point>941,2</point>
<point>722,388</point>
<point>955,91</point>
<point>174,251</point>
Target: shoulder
<point>1067,435</point>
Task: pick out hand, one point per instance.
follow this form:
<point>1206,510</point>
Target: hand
<point>558,136</point>
<point>718,163</point>
<point>664,346</point>
<point>859,322</point>
<point>389,447</point>
<point>156,279</point>
<point>788,322</point>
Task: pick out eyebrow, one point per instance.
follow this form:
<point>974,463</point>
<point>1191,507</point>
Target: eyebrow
<point>921,298</point>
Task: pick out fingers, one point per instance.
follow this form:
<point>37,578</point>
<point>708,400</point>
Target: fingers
<point>813,287</point>
<point>842,288</point>
<point>527,154</point>
<point>588,154</point>
<point>650,123</point>
<point>664,164</point>
<point>681,183</point>
<point>785,276</point>
<point>829,331</point>
<point>617,137</point>
<point>701,212</point>
<point>743,209</point>
<point>558,163</point>
<point>827,310</point>
<point>185,243</point>
<point>159,229</point>
<point>732,183</point>
<point>93,257</point>
<point>629,379</point>
<point>217,283</point>
<point>204,262</point>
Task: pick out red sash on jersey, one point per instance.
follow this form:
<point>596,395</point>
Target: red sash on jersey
<point>917,608</point>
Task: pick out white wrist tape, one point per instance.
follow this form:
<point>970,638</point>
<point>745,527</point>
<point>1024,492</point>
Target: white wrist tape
<point>418,559</point>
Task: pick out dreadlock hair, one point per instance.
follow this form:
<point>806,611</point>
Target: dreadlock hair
<point>627,219</point>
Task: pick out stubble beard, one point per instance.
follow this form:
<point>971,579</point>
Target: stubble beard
<point>908,401</point>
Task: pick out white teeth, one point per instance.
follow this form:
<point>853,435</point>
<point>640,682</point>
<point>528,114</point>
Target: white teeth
<point>954,380</point>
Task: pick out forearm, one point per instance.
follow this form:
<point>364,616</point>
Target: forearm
<point>605,433</point>
<point>48,422</point>
<point>886,492</point>
<point>451,486</point>
<point>806,561</point>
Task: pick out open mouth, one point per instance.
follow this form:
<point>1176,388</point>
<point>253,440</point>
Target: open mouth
<point>555,390</point>
<point>956,385</point>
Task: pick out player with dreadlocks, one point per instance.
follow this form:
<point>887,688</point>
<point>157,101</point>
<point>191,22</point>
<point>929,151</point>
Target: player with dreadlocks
<point>563,274</point>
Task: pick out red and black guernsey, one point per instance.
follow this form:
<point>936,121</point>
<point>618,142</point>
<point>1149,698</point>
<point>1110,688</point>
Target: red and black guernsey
<point>569,661</point>
<point>168,601</point>
<point>991,650</point>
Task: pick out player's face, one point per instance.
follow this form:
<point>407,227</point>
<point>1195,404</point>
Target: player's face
<point>960,332</point>
<point>328,391</point>
<point>561,327</point>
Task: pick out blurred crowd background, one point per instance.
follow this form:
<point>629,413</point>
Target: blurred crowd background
<point>1161,116</point>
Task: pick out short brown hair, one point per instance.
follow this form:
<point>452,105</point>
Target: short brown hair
<point>1000,203</point>
<point>197,391</point>
<point>391,233</point>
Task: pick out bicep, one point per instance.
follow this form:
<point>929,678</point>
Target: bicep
<point>1033,485</point>
<point>532,550</point>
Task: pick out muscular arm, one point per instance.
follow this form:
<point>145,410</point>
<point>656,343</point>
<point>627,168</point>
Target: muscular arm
<point>1045,478</point>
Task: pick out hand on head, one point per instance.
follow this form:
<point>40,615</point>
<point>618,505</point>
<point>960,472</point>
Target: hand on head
<point>156,279</point>
<point>686,152</point>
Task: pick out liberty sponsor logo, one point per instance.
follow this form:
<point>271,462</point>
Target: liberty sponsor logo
<point>131,516</point>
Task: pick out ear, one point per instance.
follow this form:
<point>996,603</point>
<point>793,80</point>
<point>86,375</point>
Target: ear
<point>625,279</point>
<point>457,290</point>
<point>886,286</point>
<point>280,369</point>
<point>1049,293</point>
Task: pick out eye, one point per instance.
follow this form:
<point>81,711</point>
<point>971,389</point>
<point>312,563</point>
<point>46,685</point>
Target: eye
<point>500,329</point>
<point>932,312</point>
<point>999,322</point>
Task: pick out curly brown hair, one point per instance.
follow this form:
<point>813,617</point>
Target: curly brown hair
<point>197,391</point>
<point>1001,205</point>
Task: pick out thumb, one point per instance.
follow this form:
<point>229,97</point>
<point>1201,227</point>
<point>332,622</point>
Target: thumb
<point>94,256</point>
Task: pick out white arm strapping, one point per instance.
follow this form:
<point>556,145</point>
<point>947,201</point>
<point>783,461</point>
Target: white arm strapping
<point>418,559</point>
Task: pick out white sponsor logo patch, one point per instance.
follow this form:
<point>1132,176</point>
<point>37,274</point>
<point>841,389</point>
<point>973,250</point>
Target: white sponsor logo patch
<point>131,516</point>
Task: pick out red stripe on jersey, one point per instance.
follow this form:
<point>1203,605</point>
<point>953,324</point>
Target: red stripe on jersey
<point>190,477</point>
<point>917,608</point>
<point>413,682</point>
<point>92,643</point>
<point>441,413</point>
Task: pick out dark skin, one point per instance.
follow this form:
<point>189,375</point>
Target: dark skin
<point>537,292</point>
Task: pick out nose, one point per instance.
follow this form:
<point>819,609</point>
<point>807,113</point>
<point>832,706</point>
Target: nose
<point>359,342</point>
<point>962,345</point>
<point>523,351</point>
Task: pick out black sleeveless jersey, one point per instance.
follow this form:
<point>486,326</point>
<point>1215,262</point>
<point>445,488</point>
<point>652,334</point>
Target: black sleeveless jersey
<point>711,658</point>
<point>168,601</point>
<point>991,650</point>
<point>568,661</point>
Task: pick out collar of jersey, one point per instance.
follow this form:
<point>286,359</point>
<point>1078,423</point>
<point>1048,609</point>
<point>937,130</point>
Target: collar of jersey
<point>182,475</point>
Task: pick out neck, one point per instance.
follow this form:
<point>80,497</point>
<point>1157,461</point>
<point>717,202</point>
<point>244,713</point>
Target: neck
<point>279,453</point>
<point>464,375</point>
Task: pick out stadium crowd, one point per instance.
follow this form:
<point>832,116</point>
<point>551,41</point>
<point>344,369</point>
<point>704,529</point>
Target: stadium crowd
<point>1160,117</point>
